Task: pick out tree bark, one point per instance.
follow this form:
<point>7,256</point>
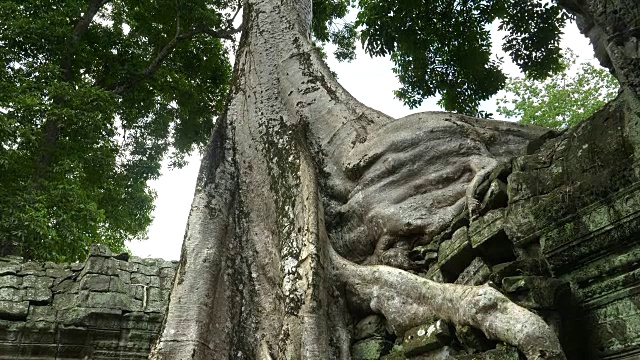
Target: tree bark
<point>614,30</point>
<point>305,196</point>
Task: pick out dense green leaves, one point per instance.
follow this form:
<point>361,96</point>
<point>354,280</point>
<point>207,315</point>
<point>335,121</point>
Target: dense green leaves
<point>444,46</point>
<point>563,100</point>
<point>93,95</point>
<point>328,26</point>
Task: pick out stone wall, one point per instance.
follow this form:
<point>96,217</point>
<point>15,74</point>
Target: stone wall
<point>559,233</point>
<point>110,307</point>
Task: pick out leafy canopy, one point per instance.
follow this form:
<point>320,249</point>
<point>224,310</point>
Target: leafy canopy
<point>444,46</point>
<point>562,100</point>
<point>93,93</point>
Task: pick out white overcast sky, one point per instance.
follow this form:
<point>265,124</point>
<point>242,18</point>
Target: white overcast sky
<point>370,80</point>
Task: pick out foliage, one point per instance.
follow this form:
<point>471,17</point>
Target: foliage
<point>93,93</point>
<point>444,46</point>
<point>561,101</point>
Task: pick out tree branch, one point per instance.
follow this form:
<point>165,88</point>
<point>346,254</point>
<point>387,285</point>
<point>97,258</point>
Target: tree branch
<point>161,56</point>
<point>51,128</point>
<point>78,32</point>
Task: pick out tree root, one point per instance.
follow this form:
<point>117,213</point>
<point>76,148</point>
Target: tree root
<point>407,300</point>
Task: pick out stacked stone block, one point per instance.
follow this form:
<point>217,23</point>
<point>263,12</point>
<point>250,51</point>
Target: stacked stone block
<point>110,307</point>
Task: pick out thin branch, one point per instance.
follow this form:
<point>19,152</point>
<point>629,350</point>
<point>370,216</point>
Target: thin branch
<point>226,34</point>
<point>233,18</point>
<point>155,64</point>
<point>78,32</point>
<point>177,19</point>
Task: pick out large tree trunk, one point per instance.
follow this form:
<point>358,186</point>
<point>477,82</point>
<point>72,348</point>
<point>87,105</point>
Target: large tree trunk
<point>264,273</point>
<point>613,26</point>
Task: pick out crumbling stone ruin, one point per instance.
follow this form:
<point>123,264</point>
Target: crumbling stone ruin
<point>109,307</point>
<point>556,231</point>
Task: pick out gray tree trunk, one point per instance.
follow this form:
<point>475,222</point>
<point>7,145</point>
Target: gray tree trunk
<point>306,203</point>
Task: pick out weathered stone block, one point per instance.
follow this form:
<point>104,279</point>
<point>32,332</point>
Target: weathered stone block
<point>156,306</point>
<point>525,266</point>
<point>536,292</point>
<point>455,255</point>
<point>128,266</point>
<point>506,353</point>
<point>136,260</point>
<point>105,318</point>
<point>11,294</point>
<point>100,250</point>
<point>614,328</point>
<point>595,231</point>
<point>59,273</point>
<point>54,265</point>
<point>12,281</point>
<point>9,268</point>
<point>155,294</point>
<point>138,278</point>
<point>165,283</point>
<point>117,285</point>
<point>68,300</point>
<point>137,339</point>
<point>34,281</point>
<point>66,285</point>
<point>424,255</point>
<point>124,276</point>
<point>487,236</point>
<point>476,273</point>
<point>95,282</point>
<point>76,267</point>
<point>148,270</point>
<point>135,320</point>
<point>39,296</point>
<point>32,333</point>
<point>108,300</point>
<point>170,272</point>
<point>101,265</point>
<point>73,338</point>
<point>14,310</point>
<point>426,337</point>
<point>41,313</point>
<point>32,268</point>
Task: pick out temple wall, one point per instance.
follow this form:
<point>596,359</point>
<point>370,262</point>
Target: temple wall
<point>110,307</point>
